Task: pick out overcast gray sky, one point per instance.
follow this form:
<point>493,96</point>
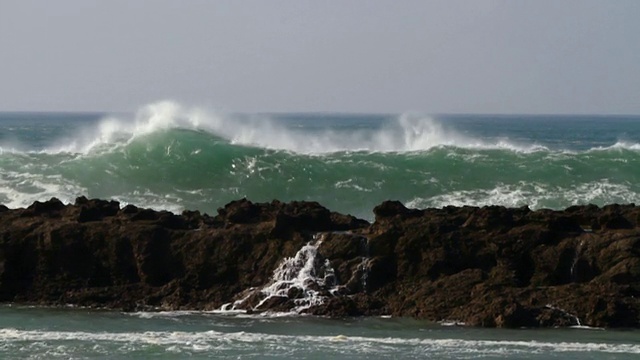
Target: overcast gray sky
<point>354,56</point>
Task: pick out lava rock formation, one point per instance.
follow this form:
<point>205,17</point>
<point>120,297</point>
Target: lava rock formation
<point>491,266</point>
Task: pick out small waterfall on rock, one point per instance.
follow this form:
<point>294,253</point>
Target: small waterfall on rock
<point>575,261</point>
<point>298,283</point>
<point>364,265</point>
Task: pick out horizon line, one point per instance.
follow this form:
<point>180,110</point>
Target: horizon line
<point>329,112</point>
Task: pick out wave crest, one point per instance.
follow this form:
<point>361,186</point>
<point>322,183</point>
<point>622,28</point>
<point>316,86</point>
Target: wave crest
<point>406,133</point>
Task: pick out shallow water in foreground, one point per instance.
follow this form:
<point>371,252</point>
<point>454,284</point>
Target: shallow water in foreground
<point>48,333</point>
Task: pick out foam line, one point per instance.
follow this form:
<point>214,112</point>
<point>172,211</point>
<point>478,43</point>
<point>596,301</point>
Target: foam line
<point>211,338</point>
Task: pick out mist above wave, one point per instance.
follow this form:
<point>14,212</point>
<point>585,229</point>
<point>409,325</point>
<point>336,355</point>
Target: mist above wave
<point>404,133</point>
<point>409,132</point>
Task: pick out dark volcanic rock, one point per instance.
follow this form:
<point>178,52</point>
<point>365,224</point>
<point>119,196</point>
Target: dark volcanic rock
<point>489,266</point>
<point>93,253</point>
<point>494,266</point>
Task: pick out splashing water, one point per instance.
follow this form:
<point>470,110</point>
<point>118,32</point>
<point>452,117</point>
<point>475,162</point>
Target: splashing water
<point>306,279</point>
<point>569,315</point>
<point>405,133</point>
<point>171,157</point>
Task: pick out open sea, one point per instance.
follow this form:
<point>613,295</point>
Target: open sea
<point>168,156</point>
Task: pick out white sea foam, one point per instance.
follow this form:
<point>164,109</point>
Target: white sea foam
<point>534,195</point>
<point>151,200</point>
<point>22,189</point>
<point>19,190</point>
<point>212,341</point>
<point>619,145</point>
<point>350,184</point>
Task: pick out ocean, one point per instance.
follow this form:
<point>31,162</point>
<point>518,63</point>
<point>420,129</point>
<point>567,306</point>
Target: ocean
<point>174,157</point>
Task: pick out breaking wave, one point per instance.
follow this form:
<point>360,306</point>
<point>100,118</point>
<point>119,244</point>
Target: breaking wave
<point>167,156</point>
<point>404,133</point>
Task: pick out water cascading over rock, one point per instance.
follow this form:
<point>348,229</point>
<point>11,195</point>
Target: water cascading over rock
<point>490,266</point>
<point>298,283</point>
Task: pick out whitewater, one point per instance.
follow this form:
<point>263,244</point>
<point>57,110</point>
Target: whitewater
<point>40,333</point>
<point>174,157</point>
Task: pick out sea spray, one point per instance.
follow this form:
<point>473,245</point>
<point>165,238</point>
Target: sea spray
<point>406,132</point>
<point>169,156</point>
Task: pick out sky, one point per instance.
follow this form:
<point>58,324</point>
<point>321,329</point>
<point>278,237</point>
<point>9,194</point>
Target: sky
<point>482,56</point>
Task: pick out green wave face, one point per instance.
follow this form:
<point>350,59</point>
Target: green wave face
<point>350,165</point>
<point>183,169</point>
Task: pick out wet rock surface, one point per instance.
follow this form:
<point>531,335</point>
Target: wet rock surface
<point>490,266</point>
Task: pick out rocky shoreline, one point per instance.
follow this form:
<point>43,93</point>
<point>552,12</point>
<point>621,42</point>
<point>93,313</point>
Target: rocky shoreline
<point>490,266</point>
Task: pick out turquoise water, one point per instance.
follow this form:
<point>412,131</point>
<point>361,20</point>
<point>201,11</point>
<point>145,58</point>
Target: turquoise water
<point>37,333</point>
<point>170,157</point>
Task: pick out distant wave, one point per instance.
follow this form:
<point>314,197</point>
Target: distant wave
<point>170,157</point>
<point>407,132</point>
<point>620,145</point>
